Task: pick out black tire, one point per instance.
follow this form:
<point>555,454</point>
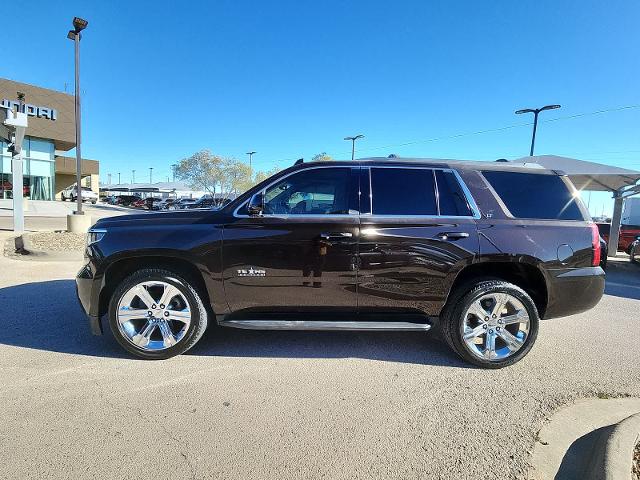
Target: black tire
<point>452,320</point>
<point>199,317</point>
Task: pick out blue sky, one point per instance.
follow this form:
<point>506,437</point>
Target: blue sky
<point>289,79</point>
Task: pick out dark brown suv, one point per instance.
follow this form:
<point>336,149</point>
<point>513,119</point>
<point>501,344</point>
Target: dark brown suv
<point>484,250</point>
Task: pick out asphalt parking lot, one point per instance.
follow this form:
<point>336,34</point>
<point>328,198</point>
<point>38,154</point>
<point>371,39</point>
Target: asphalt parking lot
<point>247,405</point>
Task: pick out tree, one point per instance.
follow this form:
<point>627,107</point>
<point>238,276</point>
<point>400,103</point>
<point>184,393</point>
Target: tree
<point>321,157</point>
<point>262,176</point>
<point>222,177</point>
<point>201,171</point>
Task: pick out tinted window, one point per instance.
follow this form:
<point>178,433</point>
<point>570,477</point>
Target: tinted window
<point>530,195</point>
<point>451,198</point>
<point>318,191</point>
<point>403,191</point>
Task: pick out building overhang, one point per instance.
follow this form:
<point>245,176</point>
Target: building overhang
<point>67,166</point>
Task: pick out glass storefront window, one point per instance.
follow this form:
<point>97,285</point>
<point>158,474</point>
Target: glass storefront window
<point>38,169</point>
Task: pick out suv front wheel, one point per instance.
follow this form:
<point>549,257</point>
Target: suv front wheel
<point>157,314</point>
<point>492,323</point>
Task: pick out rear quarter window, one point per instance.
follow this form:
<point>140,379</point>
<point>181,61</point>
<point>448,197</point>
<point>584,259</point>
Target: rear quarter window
<point>536,196</point>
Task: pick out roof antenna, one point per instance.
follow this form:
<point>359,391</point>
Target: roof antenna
<point>299,161</point>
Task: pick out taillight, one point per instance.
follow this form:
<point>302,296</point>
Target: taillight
<point>595,245</point>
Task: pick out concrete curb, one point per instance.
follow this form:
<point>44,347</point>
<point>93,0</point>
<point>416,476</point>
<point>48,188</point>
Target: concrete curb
<point>613,456</point>
<point>586,439</point>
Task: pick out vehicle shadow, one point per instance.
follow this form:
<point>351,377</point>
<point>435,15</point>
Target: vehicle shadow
<point>623,279</point>
<point>47,316</point>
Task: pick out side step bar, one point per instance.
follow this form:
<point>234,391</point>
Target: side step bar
<point>366,326</point>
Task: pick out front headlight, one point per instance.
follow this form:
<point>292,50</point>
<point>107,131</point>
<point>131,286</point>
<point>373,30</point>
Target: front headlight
<point>95,235</point>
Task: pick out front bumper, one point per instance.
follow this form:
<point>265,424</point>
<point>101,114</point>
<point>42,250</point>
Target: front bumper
<point>88,292</point>
<point>573,290</point>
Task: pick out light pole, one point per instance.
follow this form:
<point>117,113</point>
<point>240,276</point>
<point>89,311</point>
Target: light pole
<point>536,112</point>
<point>150,174</point>
<point>118,178</point>
<point>353,144</point>
<point>173,171</point>
<point>79,24</point>
<point>133,176</point>
<point>250,157</point>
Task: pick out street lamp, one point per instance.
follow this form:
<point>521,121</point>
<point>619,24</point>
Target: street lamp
<point>79,24</point>
<point>118,178</point>
<point>150,174</point>
<point>133,176</point>
<point>250,157</point>
<point>535,112</point>
<point>353,144</point>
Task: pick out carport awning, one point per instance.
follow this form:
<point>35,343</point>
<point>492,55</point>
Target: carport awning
<point>587,175</point>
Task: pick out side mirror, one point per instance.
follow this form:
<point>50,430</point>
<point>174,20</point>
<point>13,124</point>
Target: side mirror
<point>256,205</point>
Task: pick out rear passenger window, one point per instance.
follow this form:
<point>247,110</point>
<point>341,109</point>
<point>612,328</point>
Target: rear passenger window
<point>451,198</point>
<point>530,195</point>
<point>403,191</point>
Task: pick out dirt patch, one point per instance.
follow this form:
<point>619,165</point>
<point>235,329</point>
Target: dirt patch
<point>55,241</point>
<point>635,470</point>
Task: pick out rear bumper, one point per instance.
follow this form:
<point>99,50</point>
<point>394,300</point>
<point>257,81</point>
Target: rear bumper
<point>88,292</point>
<point>573,290</point>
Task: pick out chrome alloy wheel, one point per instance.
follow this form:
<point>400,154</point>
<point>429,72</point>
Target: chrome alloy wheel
<point>496,326</point>
<point>153,315</point>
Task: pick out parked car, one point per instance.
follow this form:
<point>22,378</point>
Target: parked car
<point>634,251</point>
<point>127,200</point>
<point>382,245</point>
<point>140,203</point>
<point>150,202</point>
<point>110,200</point>
<point>182,204</point>
<point>204,202</point>
<point>86,194</point>
<point>628,234</point>
<point>164,204</point>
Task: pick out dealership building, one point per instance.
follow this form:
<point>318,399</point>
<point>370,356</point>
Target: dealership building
<point>47,168</point>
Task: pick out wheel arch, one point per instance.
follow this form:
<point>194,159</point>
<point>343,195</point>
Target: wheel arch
<point>121,268</point>
<point>524,275</point>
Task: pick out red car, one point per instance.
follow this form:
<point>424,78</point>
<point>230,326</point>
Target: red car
<point>6,185</point>
<point>628,234</point>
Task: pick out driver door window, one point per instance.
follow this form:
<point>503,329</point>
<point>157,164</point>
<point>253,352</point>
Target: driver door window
<point>317,191</point>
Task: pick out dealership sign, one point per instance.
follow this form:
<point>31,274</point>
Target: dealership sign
<point>31,110</point>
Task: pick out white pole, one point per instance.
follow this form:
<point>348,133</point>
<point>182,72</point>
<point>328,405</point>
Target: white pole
<point>18,202</point>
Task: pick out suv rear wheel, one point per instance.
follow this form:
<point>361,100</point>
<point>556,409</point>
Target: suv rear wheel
<point>157,314</point>
<point>492,323</point>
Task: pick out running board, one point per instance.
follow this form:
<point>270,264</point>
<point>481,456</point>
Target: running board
<point>363,326</point>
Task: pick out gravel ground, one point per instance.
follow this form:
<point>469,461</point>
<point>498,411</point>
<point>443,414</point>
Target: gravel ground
<point>56,241</point>
<point>635,471</point>
<point>259,405</point>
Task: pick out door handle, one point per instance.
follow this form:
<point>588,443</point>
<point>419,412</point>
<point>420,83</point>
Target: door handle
<point>335,235</point>
<point>452,235</point>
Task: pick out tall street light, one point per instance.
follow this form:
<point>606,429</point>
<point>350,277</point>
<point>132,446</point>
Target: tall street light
<point>353,144</point>
<point>250,157</point>
<point>79,24</point>
<point>536,112</point>
<point>118,178</point>
<point>150,174</point>
<point>133,176</point>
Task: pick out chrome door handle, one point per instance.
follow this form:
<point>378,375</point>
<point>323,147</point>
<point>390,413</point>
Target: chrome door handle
<point>335,235</point>
<point>452,235</point>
